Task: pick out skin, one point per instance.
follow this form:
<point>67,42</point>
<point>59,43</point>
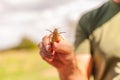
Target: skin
<point>68,65</point>
<point>117,1</point>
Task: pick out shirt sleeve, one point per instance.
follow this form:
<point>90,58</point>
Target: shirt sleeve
<point>82,42</point>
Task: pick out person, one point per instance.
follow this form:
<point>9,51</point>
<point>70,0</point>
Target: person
<point>97,46</point>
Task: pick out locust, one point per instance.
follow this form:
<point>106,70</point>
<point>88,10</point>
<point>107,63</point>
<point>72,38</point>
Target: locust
<point>54,38</point>
<point>55,35</point>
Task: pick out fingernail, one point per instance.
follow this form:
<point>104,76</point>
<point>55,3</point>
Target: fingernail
<point>47,47</point>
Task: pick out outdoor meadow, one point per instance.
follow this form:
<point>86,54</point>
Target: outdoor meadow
<point>25,64</point>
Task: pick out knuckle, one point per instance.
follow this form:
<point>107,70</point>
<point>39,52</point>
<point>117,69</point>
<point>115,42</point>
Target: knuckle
<point>45,37</point>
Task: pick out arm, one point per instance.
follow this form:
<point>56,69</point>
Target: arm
<point>65,61</point>
<point>80,72</point>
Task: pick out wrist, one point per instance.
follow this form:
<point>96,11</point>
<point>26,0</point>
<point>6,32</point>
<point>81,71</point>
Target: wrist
<point>70,71</point>
<point>72,74</point>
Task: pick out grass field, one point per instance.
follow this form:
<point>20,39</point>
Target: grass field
<point>25,65</point>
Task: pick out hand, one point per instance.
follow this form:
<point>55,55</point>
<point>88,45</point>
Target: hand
<point>59,54</point>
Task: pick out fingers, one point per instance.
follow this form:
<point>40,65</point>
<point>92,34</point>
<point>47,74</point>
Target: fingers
<point>44,53</point>
<point>46,42</point>
<point>44,57</point>
<point>48,51</point>
<point>45,49</point>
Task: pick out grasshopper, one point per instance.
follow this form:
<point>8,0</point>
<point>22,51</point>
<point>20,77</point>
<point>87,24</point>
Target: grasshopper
<point>55,38</point>
<point>55,35</point>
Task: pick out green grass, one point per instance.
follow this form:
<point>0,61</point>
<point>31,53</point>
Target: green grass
<point>25,65</point>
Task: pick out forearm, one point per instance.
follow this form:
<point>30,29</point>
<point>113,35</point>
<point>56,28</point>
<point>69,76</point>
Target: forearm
<point>72,72</point>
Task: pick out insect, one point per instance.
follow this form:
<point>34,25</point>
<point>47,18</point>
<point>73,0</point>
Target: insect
<point>55,35</point>
<point>54,38</point>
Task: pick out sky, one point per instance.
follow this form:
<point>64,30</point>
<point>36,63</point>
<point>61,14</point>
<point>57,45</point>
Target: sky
<point>31,18</point>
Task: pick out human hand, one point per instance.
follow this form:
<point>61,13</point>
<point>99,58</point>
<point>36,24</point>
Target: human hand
<point>58,54</point>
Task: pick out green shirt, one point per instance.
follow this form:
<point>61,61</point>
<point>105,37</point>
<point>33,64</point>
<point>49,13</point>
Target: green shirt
<point>98,33</point>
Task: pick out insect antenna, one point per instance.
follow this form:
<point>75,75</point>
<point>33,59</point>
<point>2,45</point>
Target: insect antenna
<point>49,30</point>
<point>61,32</point>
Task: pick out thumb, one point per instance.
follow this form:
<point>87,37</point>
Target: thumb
<point>62,47</point>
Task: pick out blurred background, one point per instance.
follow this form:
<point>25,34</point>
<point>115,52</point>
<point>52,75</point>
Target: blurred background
<point>23,23</point>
